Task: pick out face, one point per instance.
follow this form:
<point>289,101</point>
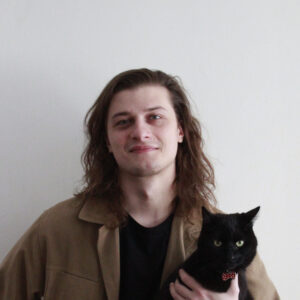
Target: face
<point>143,132</point>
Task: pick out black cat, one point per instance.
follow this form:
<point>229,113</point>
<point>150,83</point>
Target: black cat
<point>226,245</point>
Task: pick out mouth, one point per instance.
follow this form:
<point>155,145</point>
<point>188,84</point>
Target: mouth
<point>232,269</point>
<point>228,268</point>
<point>142,149</point>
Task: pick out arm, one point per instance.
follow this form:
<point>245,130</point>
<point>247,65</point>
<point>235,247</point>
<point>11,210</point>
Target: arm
<point>259,284</point>
<point>197,292</point>
<point>22,270</point>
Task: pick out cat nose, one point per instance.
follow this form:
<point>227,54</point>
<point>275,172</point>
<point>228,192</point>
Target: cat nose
<point>232,257</point>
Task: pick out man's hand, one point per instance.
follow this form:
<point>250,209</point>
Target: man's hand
<point>197,292</point>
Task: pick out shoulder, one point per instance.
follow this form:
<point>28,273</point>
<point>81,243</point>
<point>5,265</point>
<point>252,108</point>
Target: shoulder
<point>55,224</point>
<point>62,221</point>
<point>63,211</point>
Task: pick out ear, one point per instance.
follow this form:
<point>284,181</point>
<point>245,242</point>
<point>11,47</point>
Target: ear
<point>249,217</point>
<point>180,134</point>
<point>206,215</point>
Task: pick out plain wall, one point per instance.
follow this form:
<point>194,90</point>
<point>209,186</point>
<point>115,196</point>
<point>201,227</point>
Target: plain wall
<point>239,61</point>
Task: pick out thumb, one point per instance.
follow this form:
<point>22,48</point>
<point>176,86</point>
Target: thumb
<point>234,286</point>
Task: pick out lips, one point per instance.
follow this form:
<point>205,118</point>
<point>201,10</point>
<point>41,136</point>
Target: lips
<point>142,148</point>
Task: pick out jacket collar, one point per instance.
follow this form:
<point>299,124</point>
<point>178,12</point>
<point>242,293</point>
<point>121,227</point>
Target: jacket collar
<point>95,211</point>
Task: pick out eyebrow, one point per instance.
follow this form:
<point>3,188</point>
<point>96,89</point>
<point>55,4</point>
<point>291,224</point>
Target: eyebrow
<point>126,113</point>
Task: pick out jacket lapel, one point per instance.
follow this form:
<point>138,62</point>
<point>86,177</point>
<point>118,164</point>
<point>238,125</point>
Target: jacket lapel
<point>175,252</point>
<point>109,256</point>
<point>182,243</point>
<point>97,211</point>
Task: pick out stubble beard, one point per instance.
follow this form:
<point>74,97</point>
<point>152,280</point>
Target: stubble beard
<point>147,170</point>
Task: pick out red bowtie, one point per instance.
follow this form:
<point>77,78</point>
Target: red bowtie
<point>226,276</point>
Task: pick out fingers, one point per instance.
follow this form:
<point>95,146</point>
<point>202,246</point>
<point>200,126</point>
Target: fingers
<point>181,291</point>
<point>192,290</point>
<point>174,293</point>
<point>190,282</point>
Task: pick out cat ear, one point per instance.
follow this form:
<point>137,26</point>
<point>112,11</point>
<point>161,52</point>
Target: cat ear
<point>206,215</point>
<point>249,217</point>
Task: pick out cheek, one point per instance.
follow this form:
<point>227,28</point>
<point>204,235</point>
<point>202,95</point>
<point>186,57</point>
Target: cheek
<point>116,138</point>
<point>116,145</point>
<point>168,135</point>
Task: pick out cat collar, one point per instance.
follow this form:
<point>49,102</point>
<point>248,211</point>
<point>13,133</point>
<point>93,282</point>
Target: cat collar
<point>226,276</point>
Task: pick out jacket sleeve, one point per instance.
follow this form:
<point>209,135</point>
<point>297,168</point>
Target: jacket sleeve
<point>259,284</point>
<point>22,271</point>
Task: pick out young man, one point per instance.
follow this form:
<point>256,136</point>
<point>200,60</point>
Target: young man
<point>138,216</point>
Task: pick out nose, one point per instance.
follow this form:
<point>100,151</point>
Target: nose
<point>231,255</point>
<point>140,130</point>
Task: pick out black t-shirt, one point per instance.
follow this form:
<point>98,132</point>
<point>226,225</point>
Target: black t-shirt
<point>142,252</point>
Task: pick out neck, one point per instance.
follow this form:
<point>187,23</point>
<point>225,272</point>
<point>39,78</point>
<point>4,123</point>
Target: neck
<point>149,200</point>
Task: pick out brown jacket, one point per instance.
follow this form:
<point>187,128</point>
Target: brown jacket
<point>69,254</point>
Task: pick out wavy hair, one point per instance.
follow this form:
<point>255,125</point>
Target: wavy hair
<point>194,180</point>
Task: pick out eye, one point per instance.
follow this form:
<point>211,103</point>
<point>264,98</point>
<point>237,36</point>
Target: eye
<point>240,243</point>
<point>217,243</point>
<point>122,122</point>
<point>155,117</point>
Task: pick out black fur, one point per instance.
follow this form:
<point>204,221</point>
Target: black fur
<point>209,262</point>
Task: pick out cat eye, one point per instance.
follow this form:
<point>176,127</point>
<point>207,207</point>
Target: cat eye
<point>217,243</point>
<point>240,243</point>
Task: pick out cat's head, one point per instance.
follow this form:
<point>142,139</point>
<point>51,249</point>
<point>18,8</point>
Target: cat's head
<point>227,241</point>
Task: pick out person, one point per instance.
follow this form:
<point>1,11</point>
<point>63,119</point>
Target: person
<point>137,217</point>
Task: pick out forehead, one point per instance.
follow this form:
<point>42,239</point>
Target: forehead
<point>141,98</point>
<point>228,226</point>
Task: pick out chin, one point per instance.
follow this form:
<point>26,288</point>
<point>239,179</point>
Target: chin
<point>144,172</point>
<point>148,168</point>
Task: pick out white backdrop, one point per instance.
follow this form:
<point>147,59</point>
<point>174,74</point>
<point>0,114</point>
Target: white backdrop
<point>239,61</point>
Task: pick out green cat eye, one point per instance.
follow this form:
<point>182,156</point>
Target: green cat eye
<point>217,243</point>
<point>240,243</point>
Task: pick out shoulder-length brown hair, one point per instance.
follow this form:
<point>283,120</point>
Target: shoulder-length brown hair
<point>194,173</point>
